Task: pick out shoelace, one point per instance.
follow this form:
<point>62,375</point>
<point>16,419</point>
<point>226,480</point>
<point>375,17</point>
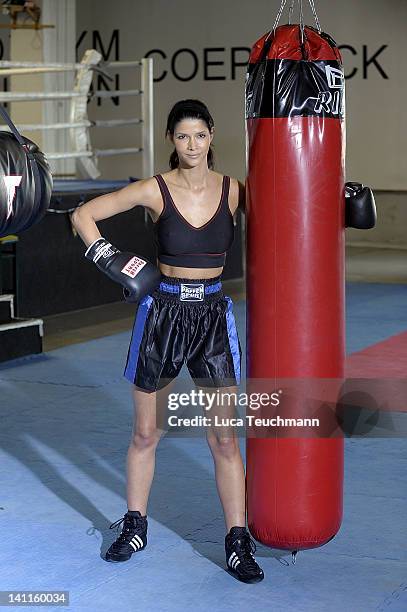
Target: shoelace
<point>126,528</point>
<point>246,550</point>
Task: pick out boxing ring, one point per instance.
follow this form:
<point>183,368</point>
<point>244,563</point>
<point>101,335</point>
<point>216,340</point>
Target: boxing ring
<point>80,124</point>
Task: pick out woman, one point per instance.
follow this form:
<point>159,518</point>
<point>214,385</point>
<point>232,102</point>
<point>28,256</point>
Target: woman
<point>188,318</point>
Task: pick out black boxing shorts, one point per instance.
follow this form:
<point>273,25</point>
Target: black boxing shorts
<point>184,321</point>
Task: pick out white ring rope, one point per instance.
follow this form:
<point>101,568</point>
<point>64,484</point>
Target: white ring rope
<point>67,67</point>
<point>31,127</point>
<point>80,124</point>
<point>124,151</point>
<point>26,96</point>
<point>94,152</point>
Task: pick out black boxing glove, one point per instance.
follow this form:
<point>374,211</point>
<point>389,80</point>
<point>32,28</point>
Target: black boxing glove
<point>360,207</point>
<point>137,276</point>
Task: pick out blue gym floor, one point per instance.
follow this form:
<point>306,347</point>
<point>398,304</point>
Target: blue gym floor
<point>66,423</point>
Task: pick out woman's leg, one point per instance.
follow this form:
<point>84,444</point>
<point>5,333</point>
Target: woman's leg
<point>148,410</point>
<point>229,471</point>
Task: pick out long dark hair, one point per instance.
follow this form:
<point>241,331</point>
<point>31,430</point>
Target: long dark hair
<point>188,109</point>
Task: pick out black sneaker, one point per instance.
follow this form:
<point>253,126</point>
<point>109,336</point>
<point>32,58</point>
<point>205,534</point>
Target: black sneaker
<point>133,537</point>
<point>239,548</point>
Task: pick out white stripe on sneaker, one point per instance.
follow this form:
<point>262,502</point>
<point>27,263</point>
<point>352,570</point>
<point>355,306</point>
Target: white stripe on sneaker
<point>233,560</point>
<point>232,556</point>
<point>139,540</point>
<point>136,542</point>
<point>134,546</point>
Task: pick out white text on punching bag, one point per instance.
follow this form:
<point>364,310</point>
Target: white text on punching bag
<point>331,103</point>
<point>11,182</point>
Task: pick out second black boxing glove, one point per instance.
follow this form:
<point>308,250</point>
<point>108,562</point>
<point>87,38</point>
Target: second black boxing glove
<point>137,275</point>
<point>360,207</point>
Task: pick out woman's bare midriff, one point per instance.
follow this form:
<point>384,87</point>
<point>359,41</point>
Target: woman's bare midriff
<point>191,273</point>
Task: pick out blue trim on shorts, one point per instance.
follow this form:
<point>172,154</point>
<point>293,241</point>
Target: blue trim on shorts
<point>137,334</point>
<point>176,288</point>
<point>233,338</point>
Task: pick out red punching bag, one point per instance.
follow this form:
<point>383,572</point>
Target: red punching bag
<point>295,274</point>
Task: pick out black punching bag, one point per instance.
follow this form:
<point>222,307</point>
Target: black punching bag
<point>25,181</point>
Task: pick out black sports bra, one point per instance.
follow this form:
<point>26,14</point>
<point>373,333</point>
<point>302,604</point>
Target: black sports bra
<point>181,244</point>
